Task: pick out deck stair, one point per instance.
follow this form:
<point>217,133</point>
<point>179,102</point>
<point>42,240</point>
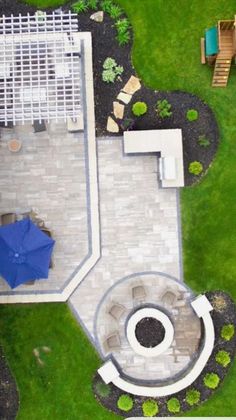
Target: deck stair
<point>224,59</point>
<point>221,72</point>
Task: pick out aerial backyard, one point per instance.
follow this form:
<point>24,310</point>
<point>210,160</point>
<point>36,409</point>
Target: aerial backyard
<point>52,349</point>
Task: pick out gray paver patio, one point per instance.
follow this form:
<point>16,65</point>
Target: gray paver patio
<point>139,226</point>
<point>48,176</point>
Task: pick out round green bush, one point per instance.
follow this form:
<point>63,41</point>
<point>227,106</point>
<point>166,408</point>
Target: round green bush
<point>125,402</point>
<point>150,408</point>
<point>195,168</point>
<point>102,389</point>
<point>139,108</point>
<point>192,115</point>
<point>227,332</point>
<point>173,405</point>
<point>223,358</point>
<point>192,396</point>
<point>211,380</point>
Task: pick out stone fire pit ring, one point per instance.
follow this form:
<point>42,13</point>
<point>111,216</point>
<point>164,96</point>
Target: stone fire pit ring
<point>160,316</point>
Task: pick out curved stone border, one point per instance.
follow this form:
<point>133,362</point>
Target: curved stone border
<point>109,372</point>
<point>159,316</point>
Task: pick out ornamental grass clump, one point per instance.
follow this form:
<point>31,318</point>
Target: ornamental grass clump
<point>125,402</point>
<point>192,397</point>
<point>173,405</point>
<point>123,33</point>
<point>195,168</point>
<point>111,70</point>
<point>211,380</point>
<point>227,332</point>
<point>150,408</point>
<point>92,4</point>
<point>80,6</point>
<point>223,358</point>
<point>102,389</point>
<point>192,115</point>
<point>203,141</point>
<point>139,109</point>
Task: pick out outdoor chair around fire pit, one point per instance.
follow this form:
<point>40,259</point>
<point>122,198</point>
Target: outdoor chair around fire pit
<point>112,343</point>
<point>138,292</point>
<point>7,218</point>
<point>116,311</point>
<point>169,298</point>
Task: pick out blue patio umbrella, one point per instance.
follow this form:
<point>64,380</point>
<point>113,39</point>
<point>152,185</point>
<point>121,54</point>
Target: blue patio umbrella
<point>25,252</point>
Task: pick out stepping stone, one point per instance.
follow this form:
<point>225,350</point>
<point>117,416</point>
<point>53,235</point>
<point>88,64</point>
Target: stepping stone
<point>97,17</point>
<point>112,126</point>
<point>132,85</point>
<point>118,110</point>
<point>124,97</point>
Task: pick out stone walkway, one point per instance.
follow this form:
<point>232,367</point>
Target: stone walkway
<point>139,226</point>
<point>187,327</point>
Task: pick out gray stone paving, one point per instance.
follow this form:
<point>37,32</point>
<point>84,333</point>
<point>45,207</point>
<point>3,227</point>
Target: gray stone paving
<point>139,226</point>
<point>187,327</point>
<point>48,176</point>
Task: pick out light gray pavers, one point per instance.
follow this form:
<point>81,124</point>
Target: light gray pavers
<point>48,176</point>
<point>139,226</point>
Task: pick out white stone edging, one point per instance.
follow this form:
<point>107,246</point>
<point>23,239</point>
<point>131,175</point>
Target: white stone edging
<point>161,391</point>
<point>149,313</point>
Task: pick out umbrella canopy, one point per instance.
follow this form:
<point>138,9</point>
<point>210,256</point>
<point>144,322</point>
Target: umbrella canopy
<point>25,252</point>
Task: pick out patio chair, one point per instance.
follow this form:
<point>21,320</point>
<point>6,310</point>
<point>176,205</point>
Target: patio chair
<point>116,311</point>
<point>169,297</point>
<point>138,292</point>
<point>112,342</point>
<point>49,234</point>
<point>7,218</point>
<point>39,126</point>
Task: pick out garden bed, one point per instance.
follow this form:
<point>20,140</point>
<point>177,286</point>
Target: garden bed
<point>9,399</point>
<point>224,313</point>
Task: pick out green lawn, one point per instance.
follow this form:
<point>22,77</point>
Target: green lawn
<point>166,55</point>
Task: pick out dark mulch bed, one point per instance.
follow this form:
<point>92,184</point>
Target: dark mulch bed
<point>181,102</point>
<point>9,398</point>
<point>149,332</point>
<point>220,317</point>
<point>105,45</point>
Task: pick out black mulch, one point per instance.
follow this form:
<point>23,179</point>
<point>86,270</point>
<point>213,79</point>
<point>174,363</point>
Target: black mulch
<point>149,332</point>
<point>220,318</point>
<point>9,398</point>
<point>105,45</point>
<point>181,101</point>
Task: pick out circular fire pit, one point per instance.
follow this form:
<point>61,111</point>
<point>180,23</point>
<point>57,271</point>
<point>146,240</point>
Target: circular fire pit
<point>149,332</point>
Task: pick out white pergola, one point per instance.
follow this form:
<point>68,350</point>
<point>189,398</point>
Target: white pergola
<point>39,68</point>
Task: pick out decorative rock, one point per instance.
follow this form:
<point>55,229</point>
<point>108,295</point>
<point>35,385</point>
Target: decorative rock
<point>46,349</point>
<point>124,97</point>
<point>112,126</point>
<point>118,110</point>
<point>132,85</point>
<point>36,352</point>
<point>97,17</point>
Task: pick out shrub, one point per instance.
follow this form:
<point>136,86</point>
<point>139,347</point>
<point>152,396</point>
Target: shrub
<point>195,168</point>
<point>192,115</point>
<point>203,141</point>
<point>219,303</point>
<point>150,408</point>
<point>92,4</point>
<point>227,332</point>
<point>123,38</point>
<point>211,380</point>
<point>163,108</point>
<point>122,25</point>
<point>125,402</point>
<point>223,358</point>
<point>115,12</point>
<point>111,70</point>
<point>139,108</point>
<point>192,396</point>
<point>102,389</point>
<point>79,7</point>
<point>106,5</point>
<point>173,405</point>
